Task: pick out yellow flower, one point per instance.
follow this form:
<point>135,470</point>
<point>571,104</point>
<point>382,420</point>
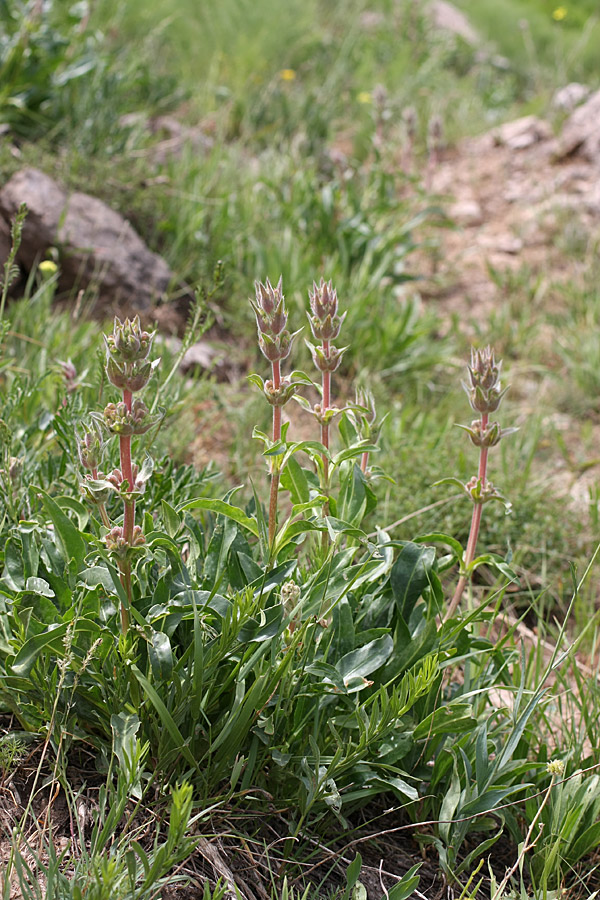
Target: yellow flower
<point>47,268</point>
<point>364,97</point>
<point>287,74</point>
<point>560,13</point>
<point>555,767</point>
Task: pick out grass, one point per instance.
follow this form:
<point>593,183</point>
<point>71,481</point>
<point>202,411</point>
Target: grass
<point>223,712</point>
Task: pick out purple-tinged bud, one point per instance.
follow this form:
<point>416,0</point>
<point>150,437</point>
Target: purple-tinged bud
<point>279,319</point>
<point>323,362</point>
<point>268,297</point>
<point>95,489</point>
<point>323,300</point>
<point>116,543</point>
<point>15,469</point>
<point>139,376</point>
<point>89,448</point>
<point>326,329</point>
<point>482,491</point>
<point>116,373</point>
<point>279,396</point>
<point>69,373</point>
<point>128,341</point>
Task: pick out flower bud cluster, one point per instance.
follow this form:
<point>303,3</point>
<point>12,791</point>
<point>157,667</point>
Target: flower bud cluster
<point>274,340</point>
<point>119,420</point>
<point>89,447</point>
<point>69,373</point>
<point>279,396</point>
<point>117,544</point>
<point>364,416</point>
<point>484,389</point>
<point>325,324</point>
<point>487,436</point>
<point>481,491</point>
<point>127,350</point>
<point>326,362</point>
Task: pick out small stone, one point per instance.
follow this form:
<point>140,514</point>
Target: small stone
<point>581,131</point>
<point>522,133</point>
<point>200,355</point>
<point>570,96</point>
<point>502,243</point>
<point>467,213</point>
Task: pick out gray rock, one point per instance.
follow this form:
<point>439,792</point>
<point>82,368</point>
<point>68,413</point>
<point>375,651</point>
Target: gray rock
<point>522,133</point>
<point>467,213</point>
<point>581,131</point>
<point>570,96</point>
<point>447,17</point>
<point>97,246</point>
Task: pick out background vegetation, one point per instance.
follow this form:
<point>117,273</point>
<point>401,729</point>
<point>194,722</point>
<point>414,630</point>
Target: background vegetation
<point>293,162</point>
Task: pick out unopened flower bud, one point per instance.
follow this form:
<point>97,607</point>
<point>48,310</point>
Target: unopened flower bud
<point>117,544</point>
<point>15,469</point>
<point>326,362</point>
<point>290,594</point>
<point>89,448</point>
<point>69,373</point>
<point>128,341</point>
<point>323,300</point>
<point>279,396</point>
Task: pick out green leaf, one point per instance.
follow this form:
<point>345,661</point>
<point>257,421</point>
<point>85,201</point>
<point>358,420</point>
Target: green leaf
<point>489,800</point>
<point>451,718</point>
<point>96,575</point>
<point>223,509</point>
<point>406,887</point>
<point>355,450</point>
<point>352,500</point>
<point>70,539</point>
<point>166,718</point>
<point>172,520</point>
<point>410,576</point>
<point>161,656</point>
<point>51,638</point>
<point>439,538</point>
<point>39,586</point>
<point>356,665</point>
<point>294,480</point>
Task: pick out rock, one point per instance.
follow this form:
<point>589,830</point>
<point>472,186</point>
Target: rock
<point>200,355</point>
<point>502,243</point>
<point>97,246</point>
<point>467,213</point>
<point>581,131</point>
<point>570,96</point>
<point>522,133</point>
<point>447,17</point>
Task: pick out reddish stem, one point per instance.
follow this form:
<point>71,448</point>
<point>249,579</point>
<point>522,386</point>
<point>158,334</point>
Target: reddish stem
<point>127,475</point>
<point>129,514</point>
<point>325,405</point>
<point>475,524</point>
<point>364,461</point>
<point>274,466</point>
